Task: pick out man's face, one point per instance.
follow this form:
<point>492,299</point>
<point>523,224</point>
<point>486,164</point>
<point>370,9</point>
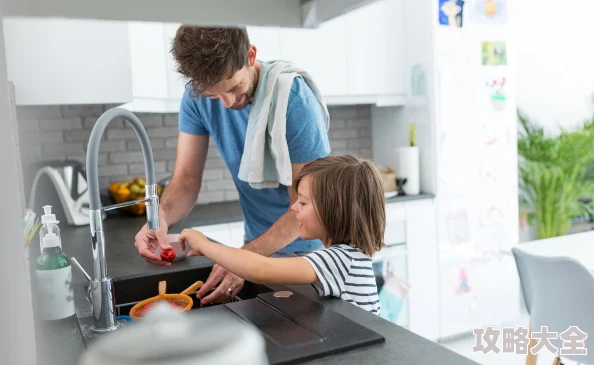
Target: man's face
<point>236,92</point>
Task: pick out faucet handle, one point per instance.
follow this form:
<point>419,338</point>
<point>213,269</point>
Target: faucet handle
<point>80,268</point>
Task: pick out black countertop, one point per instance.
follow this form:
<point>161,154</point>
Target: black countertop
<point>401,346</point>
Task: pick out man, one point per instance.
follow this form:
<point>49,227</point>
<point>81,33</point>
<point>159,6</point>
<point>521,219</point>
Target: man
<point>223,72</point>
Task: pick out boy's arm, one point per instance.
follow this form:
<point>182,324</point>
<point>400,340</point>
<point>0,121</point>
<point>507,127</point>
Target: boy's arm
<point>260,269</point>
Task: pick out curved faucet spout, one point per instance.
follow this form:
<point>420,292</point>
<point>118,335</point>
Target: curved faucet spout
<point>104,313</point>
<point>93,151</point>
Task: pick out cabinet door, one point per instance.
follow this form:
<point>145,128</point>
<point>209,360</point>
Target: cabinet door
<point>374,53</point>
<point>175,81</point>
<point>394,80</point>
<point>302,47</point>
<point>395,232</point>
<point>147,54</point>
<point>67,61</point>
<point>266,40</point>
<point>366,53</point>
<point>332,77</point>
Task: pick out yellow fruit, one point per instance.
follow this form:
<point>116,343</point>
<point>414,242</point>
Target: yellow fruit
<point>135,188</point>
<point>131,190</point>
<point>114,187</point>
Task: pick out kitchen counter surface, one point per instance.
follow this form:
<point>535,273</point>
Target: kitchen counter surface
<point>401,346</point>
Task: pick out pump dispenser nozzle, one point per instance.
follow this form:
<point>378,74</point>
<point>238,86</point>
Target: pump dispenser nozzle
<point>47,216</point>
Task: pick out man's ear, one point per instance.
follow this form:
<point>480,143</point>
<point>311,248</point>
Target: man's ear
<point>252,55</point>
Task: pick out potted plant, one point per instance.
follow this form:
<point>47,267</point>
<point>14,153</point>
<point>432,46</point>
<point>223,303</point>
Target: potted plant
<point>553,175</point>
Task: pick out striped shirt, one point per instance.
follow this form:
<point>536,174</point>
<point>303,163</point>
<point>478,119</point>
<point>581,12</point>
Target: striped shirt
<point>346,273</point>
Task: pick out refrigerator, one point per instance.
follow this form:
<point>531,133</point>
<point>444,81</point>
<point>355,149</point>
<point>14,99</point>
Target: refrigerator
<point>476,166</point>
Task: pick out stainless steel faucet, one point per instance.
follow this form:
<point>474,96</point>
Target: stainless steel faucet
<point>100,291</point>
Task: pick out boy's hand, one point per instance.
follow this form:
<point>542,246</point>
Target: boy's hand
<point>193,238</point>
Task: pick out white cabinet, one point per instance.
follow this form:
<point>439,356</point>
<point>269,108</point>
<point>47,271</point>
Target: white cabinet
<point>375,57</point>
<point>354,58</point>
<point>156,86</point>
<point>175,81</point>
<point>147,56</point>
<point>333,63</point>
<point>66,61</point>
<point>302,47</point>
<point>395,232</point>
<point>321,52</point>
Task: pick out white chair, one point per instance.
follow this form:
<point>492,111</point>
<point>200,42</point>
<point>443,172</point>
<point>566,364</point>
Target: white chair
<point>559,293</point>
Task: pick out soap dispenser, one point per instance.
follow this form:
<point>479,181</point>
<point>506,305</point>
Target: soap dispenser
<point>47,218</point>
<point>54,278</point>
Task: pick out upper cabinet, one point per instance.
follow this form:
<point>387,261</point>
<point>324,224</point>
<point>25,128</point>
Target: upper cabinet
<point>175,81</point>
<point>64,61</point>
<point>374,36</point>
<point>148,60</point>
<point>355,58</point>
<point>156,85</point>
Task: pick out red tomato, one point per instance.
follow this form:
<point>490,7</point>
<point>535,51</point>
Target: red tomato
<point>168,254</point>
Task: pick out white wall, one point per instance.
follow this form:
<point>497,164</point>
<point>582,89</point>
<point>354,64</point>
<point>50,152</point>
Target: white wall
<point>555,60</point>
<point>17,333</point>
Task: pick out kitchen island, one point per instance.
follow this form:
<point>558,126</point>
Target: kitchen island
<point>63,344</point>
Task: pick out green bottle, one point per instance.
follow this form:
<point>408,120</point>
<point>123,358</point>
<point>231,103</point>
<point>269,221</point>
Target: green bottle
<point>54,279</point>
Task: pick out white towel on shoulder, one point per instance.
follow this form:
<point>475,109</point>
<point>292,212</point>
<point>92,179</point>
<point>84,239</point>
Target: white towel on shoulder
<point>265,162</point>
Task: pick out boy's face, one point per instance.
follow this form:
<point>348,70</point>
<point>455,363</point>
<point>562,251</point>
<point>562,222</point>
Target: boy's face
<point>310,226</point>
<point>238,91</point>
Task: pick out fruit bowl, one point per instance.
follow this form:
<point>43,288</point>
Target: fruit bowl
<point>131,190</point>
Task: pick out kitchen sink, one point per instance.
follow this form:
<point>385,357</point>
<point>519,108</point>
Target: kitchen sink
<point>295,328</point>
<point>130,291</point>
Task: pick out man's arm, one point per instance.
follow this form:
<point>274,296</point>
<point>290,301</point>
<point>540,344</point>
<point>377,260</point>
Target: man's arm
<point>178,198</point>
<point>182,191</point>
<point>284,231</point>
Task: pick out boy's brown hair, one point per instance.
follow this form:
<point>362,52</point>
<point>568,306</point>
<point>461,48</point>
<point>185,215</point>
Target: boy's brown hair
<point>349,199</point>
<point>208,55</point>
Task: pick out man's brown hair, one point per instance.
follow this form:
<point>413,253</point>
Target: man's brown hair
<point>349,200</point>
<point>208,55</point>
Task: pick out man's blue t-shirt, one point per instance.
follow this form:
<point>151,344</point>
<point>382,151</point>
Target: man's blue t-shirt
<point>307,139</point>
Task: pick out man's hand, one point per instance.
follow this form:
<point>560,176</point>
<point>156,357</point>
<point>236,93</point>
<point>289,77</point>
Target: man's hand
<point>225,281</point>
<point>148,240</point>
